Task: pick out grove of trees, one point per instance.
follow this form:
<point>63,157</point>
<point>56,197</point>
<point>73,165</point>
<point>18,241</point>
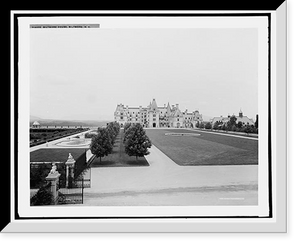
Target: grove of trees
<point>102,143</point>
<point>136,142</point>
<point>231,125</point>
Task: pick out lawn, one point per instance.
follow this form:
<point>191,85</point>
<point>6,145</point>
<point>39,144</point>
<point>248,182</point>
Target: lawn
<point>206,149</point>
<point>55,154</point>
<point>118,157</point>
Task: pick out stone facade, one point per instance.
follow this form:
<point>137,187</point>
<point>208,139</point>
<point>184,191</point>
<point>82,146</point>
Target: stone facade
<point>154,116</point>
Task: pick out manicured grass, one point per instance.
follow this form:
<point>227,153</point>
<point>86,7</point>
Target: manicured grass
<point>118,157</point>
<point>55,154</point>
<point>243,134</point>
<point>206,149</point>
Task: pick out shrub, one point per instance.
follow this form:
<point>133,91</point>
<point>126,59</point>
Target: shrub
<point>42,197</point>
<point>207,125</point>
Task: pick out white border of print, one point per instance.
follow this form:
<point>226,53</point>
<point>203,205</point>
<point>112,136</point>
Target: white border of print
<point>23,182</point>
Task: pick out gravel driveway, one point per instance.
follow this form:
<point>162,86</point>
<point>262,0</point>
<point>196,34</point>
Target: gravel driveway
<point>164,182</point>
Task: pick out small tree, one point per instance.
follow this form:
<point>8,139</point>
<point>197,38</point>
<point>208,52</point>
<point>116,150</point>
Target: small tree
<point>208,125</point>
<point>126,126</point>
<point>113,129</point>
<point>101,144</point>
<point>137,142</point>
<point>216,125</point>
<point>202,125</point>
<point>231,122</point>
<point>247,129</point>
<point>239,124</point>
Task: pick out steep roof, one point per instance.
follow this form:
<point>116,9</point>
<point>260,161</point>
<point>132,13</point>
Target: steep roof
<point>168,108</point>
<point>176,112</point>
<point>244,119</point>
<point>154,105</point>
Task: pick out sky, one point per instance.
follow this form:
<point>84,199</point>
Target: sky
<point>82,74</point>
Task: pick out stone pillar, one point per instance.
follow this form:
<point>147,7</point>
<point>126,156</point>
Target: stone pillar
<point>70,163</point>
<point>53,178</point>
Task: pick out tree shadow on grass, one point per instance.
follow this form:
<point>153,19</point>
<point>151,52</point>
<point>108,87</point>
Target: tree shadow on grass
<point>126,163</point>
<point>138,162</point>
<point>103,163</point>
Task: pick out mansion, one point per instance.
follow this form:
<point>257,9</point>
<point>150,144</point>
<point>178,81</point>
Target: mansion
<point>154,116</point>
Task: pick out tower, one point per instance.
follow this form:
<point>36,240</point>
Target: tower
<point>241,113</point>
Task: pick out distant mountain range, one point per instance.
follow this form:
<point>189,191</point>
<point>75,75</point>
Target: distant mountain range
<point>84,123</point>
<point>52,122</point>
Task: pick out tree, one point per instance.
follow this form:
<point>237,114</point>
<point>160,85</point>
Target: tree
<point>126,126</point>
<point>225,127</point>
<point>113,129</point>
<point>136,141</point>
<point>101,144</point>
<point>247,129</point>
<point>207,125</point>
<point>256,122</point>
<point>239,124</point>
<point>233,128</point>
<point>231,122</point>
<point>201,125</point>
<point>216,125</point>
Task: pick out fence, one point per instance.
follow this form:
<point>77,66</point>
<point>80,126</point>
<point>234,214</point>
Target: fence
<point>73,195</point>
<point>69,189</point>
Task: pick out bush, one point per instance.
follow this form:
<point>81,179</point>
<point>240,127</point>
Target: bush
<point>207,125</point>
<point>42,197</point>
<point>38,174</point>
